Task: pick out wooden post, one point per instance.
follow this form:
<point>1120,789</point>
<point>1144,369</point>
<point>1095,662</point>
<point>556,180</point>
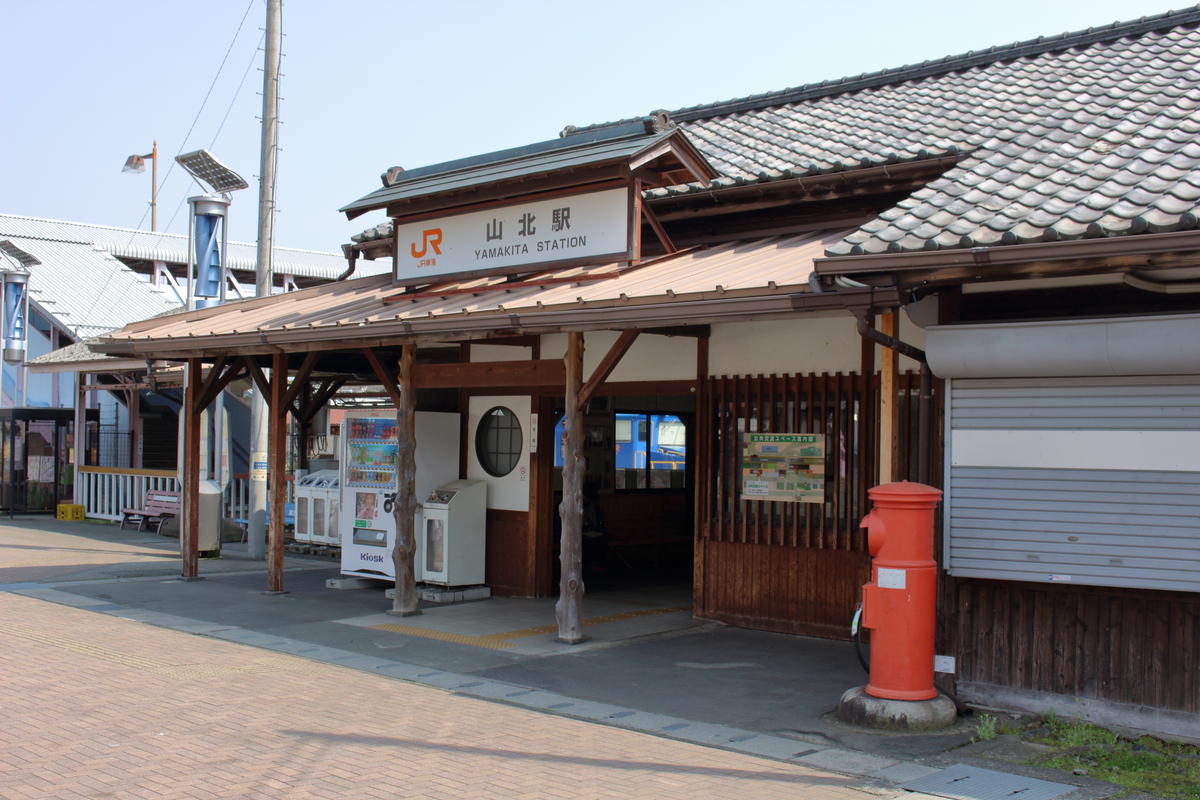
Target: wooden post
<point>135,428</point>
<point>277,471</point>
<point>700,480</point>
<point>189,530</point>
<point>568,609</point>
<point>889,428</point>
<point>866,422</point>
<point>404,553</point>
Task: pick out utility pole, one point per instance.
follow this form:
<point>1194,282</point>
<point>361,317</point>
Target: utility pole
<point>264,277</point>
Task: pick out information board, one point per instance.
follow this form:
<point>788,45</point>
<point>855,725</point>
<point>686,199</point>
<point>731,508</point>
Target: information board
<point>786,467</point>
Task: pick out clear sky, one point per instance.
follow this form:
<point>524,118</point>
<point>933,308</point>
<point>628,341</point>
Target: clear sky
<point>373,83</point>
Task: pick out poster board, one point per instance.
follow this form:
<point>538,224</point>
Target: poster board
<point>785,467</point>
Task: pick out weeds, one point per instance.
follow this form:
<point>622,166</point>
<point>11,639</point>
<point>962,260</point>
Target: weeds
<point>987,728</point>
<point>1168,769</point>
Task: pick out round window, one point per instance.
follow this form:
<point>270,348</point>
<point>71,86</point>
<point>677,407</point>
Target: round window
<point>498,441</point>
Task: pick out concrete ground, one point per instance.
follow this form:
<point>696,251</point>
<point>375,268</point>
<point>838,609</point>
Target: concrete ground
<point>648,667</point>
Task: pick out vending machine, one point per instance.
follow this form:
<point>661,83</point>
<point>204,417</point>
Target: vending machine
<point>370,451</point>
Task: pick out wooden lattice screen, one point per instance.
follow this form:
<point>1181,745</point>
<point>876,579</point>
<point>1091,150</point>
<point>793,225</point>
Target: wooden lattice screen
<point>818,403</point>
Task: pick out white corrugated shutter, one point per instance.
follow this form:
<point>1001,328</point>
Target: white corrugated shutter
<point>1085,480</point>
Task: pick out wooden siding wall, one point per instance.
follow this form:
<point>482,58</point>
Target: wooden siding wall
<point>793,567</point>
<point>1122,645</point>
<point>508,546</point>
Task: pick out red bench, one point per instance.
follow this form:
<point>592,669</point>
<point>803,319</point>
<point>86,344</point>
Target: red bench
<point>159,507</point>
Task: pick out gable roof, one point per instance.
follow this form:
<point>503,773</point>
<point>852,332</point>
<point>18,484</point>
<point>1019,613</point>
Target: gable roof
<point>600,146</point>
<point>86,290</point>
<point>1080,135</point>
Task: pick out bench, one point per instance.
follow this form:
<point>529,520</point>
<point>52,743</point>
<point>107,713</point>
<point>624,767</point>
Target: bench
<point>158,507</point>
<point>289,519</point>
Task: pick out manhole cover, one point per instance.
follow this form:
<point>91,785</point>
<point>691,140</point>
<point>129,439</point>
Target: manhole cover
<point>964,782</point>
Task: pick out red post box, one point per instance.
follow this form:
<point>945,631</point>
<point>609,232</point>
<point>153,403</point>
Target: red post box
<point>900,602</point>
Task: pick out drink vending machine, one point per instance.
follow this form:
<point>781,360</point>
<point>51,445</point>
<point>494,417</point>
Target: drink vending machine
<point>370,479</point>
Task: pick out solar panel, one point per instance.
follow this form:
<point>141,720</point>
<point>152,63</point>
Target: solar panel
<point>203,166</point>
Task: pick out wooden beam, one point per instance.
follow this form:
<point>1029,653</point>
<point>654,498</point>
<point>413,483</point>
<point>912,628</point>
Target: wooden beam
<point>405,602</point>
<point>389,383</point>
<point>213,388</point>
<point>658,229</point>
<point>277,471</point>
<point>214,375</point>
<point>306,368</point>
<point>189,533</point>
<point>256,374</point>
<point>607,365</point>
<point>322,396</point>
<point>568,609</point>
<point>489,374</point>
<point>889,428</point>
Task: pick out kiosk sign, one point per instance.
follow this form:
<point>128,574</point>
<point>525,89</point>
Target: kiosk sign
<point>582,226</point>
<point>787,467</point>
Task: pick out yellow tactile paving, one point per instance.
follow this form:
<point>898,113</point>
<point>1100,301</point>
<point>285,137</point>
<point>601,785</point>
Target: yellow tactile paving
<point>490,642</point>
<point>603,620</point>
<point>503,640</point>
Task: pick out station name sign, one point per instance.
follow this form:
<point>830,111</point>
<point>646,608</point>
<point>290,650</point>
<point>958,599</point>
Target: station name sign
<point>588,226</point>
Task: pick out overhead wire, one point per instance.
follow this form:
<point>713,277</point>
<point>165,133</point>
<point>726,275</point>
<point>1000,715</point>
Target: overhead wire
<point>195,119</point>
<point>203,103</point>
<point>233,101</point>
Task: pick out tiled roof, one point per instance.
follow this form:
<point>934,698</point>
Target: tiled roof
<point>1079,135</point>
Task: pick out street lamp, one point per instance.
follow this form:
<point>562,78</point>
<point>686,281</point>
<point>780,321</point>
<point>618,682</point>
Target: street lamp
<point>136,163</point>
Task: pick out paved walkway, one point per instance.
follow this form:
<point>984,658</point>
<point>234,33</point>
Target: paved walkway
<point>99,706</point>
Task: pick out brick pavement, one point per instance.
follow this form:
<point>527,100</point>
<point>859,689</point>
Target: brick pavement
<point>99,706</point>
<point>51,549</point>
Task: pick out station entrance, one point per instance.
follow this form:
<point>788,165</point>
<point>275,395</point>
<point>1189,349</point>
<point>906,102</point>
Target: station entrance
<point>638,497</point>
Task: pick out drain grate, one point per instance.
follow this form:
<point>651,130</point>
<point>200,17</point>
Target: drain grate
<point>964,782</point>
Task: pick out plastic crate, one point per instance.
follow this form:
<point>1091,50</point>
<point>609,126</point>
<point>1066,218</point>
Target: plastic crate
<point>72,512</point>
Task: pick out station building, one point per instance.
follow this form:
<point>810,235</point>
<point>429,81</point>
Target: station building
<point>977,272</point>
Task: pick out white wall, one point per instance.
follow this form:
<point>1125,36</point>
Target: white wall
<point>808,343</point>
<point>651,358</point>
<point>509,491</point>
<point>500,352</point>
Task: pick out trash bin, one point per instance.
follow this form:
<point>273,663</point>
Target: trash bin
<point>210,518</point>
<point>317,507</point>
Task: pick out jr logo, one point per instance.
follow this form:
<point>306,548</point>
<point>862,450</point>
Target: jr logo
<point>430,238</point>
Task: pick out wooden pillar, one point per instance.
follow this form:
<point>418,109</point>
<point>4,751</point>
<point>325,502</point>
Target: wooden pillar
<point>404,553</point>
<point>135,428</point>
<point>568,609</point>
<point>889,427</point>
<point>700,479</point>
<point>277,471</point>
<point>189,530</point>
<point>866,422</point>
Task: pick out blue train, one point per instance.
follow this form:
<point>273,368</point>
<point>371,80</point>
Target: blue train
<point>657,441</point>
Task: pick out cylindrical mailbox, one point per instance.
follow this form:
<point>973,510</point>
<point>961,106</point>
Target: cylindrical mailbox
<point>900,602</point>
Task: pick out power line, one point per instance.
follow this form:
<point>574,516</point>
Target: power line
<point>203,103</point>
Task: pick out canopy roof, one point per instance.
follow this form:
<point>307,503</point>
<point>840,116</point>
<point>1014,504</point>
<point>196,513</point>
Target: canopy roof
<point>734,280</point>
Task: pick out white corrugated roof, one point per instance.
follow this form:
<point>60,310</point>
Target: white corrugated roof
<point>172,248</point>
<point>87,290</point>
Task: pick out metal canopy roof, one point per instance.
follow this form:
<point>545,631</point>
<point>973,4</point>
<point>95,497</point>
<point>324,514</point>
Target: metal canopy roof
<point>555,156</point>
<point>746,279</point>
